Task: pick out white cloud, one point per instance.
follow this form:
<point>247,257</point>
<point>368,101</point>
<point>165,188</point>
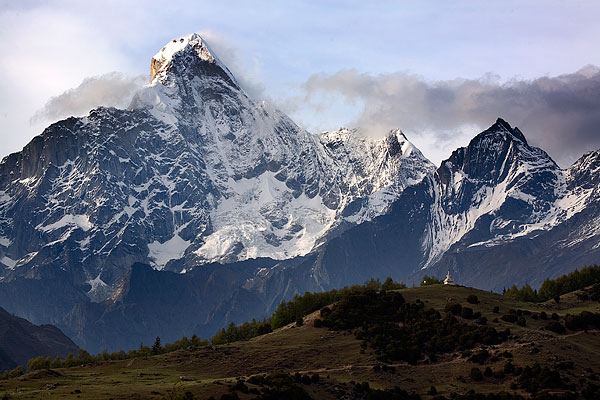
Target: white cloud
<point>111,90</point>
<point>45,50</point>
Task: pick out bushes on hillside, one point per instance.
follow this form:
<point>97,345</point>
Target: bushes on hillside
<point>525,293</point>
<point>556,327</point>
<point>13,373</point>
<point>38,363</point>
<point>476,374</point>
<point>83,357</point>
<point>430,280</point>
<point>593,293</point>
<point>535,378</point>
<point>584,320</point>
<point>554,288</point>
<point>454,308</point>
<point>300,306</point>
<point>398,330</point>
<point>512,318</point>
<point>473,299</point>
<point>466,312</point>
<point>245,331</point>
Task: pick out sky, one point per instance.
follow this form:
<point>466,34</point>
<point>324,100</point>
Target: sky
<point>440,71</point>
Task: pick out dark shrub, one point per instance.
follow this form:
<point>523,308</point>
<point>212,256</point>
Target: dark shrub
<point>472,299</point>
<point>521,322</point>
<point>318,323</point>
<point>480,356</point>
<point>454,308</point>
<point>496,310</point>
<point>488,372</point>
<point>554,316</point>
<point>509,318</point>
<point>565,365</point>
<point>476,374</point>
<point>466,312</point>
<point>239,385</point>
<point>543,315</point>
<point>583,321</point>
<point>305,379</point>
<point>299,321</point>
<point>535,378</point>
<point>590,392</point>
<point>555,327</point>
<point>325,311</point>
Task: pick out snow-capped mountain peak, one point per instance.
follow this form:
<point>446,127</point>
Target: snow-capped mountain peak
<point>498,186</point>
<point>194,172</point>
<point>502,127</point>
<point>191,45</point>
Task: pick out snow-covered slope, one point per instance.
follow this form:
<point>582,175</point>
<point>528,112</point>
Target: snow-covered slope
<point>194,172</point>
<point>498,180</point>
<point>497,212</point>
<point>499,189</point>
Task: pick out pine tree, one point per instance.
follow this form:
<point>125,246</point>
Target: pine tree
<point>156,348</point>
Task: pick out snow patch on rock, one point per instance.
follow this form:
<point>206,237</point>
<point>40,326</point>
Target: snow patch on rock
<point>80,221</point>
<point>172,249</point>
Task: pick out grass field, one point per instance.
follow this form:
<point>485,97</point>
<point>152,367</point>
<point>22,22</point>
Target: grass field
<point>336,356</point>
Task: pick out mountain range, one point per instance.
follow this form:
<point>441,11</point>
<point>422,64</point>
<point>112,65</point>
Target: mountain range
<point>198,206</point>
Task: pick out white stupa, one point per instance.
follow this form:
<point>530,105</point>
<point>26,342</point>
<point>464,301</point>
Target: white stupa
<point>449,280</point>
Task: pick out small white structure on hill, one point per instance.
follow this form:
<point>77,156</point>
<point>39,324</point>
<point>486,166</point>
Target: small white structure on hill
<point>449,280</point>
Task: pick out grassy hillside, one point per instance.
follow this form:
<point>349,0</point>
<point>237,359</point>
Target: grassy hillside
<point>299,362</point>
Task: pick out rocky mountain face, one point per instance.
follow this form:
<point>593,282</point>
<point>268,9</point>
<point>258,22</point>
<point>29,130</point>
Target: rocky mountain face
<point>21,341</point>
<point>194,172</point>
<point>497,212</point>
<point>201,200</point>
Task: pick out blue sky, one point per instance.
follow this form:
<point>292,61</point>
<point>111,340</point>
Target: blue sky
<point>305,56</point>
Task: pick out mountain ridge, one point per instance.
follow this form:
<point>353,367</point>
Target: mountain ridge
<point>21,341</point>
<point>240,208</point>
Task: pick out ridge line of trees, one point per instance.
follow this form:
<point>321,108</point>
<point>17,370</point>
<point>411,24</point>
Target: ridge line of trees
<point>554,288</point>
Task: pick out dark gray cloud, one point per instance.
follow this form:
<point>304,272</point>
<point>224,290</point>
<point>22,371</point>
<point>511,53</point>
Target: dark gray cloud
<point>559,114</point>
<point>112,90</point>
